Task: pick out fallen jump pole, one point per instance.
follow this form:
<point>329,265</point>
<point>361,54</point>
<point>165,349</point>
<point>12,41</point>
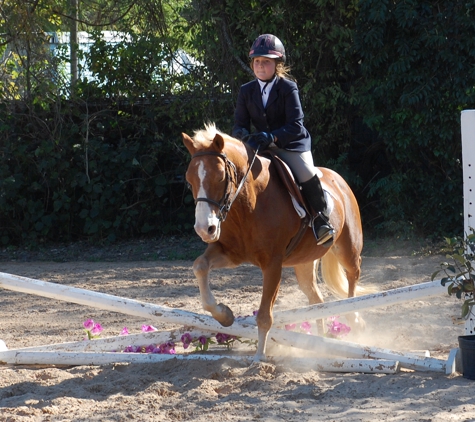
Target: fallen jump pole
<point>117,343</point>
<point>354,304</point>
<point>322,346</point>
<point>21,357</point>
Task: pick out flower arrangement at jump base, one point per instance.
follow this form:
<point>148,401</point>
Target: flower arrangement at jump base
<point>200,343</point>
<point>336,329</point>
<point>167,348</point>
<point>93,330</point>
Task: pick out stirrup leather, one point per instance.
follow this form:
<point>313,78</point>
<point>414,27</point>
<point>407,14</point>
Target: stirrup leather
<point>323,232</point>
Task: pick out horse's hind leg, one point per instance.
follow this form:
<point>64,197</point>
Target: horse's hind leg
<point>213,257</point>
<point>348,255</point>
<point>307,279</point>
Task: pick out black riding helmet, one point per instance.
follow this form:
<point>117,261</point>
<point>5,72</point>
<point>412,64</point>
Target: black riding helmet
<point>268,45</point>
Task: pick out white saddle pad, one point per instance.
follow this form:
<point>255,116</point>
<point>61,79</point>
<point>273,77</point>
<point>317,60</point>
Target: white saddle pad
<point>301,211</point>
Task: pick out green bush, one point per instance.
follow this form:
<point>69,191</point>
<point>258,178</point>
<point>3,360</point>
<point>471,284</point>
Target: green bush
<point>107,163</point>
<point>121,180</point>
<point>417,75</point>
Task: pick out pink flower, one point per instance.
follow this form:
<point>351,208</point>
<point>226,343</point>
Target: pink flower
<point>150,348</point>
<point>167,348</point>
<point>306,327</point>
<point>97,329</point>
<point>124,332</point>
<point>290,327</point>
<point>223,338</point>
<point>148,328</point>
<point>337,329</point>
<point>186,340</point>
<point>88,324</point>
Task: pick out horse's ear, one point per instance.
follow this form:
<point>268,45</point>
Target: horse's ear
<point>218,142</point>
<point>188,143</point>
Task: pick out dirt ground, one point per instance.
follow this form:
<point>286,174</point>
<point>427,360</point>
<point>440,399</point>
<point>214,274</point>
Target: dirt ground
<point>225,390</point>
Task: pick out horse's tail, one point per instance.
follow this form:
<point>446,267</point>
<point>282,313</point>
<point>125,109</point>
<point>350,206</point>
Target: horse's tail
<point>334,276</point>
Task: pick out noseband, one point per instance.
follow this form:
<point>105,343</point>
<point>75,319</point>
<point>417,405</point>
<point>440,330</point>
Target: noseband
<point>225,203</point>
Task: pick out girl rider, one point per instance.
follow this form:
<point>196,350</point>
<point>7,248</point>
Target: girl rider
<point>271,104</point>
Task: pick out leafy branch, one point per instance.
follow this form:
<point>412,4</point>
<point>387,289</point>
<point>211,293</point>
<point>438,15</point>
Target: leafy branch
<point>459,273</point>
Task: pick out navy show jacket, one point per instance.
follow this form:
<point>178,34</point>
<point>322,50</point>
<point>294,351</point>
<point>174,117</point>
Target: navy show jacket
<point>282,116</point>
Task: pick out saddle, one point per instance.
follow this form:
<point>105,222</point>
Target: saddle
<point>298,200</point>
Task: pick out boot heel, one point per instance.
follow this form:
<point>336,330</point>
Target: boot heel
<point>322,230</point>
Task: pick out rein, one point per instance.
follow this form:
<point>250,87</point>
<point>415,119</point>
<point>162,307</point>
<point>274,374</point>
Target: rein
<point>225,203</point>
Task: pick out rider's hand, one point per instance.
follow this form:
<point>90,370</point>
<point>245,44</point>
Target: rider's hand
<point>261,140</point>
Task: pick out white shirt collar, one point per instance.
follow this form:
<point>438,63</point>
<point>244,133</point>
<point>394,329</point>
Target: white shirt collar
<point>265,88</point>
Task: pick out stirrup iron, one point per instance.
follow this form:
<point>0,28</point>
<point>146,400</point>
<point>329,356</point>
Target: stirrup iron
<point>325,232</point>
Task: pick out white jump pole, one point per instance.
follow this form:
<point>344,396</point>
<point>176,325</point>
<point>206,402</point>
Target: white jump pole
<point>340,307</point>
<point>114,303</point>
<point>321,345</point>
<point>341,365</point>
<point>110,344</point>
<point>21,357</point>
<point>468,165</point>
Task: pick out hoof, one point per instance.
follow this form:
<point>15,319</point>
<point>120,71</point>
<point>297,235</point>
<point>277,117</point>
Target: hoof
<point>358,324</point>
<point>262,369</point>
<point>258,359</point>
<point>226,316</point>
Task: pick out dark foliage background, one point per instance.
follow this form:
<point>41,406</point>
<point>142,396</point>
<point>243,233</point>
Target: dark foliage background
<point>382,85</point>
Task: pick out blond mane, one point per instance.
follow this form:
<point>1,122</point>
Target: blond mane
<point>204,137</point>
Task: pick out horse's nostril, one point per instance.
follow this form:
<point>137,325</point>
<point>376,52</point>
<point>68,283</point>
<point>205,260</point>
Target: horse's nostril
<point>211,229</point>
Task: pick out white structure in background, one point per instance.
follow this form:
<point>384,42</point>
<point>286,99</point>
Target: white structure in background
<point>468,162</point>
<point>57,45</point>
<point>182,63</point>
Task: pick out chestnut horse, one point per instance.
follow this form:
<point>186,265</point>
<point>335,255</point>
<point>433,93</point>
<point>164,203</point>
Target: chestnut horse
<point>245,214</point>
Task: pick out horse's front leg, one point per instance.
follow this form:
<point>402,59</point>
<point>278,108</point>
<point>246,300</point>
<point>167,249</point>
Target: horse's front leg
<point>272,274</point>
<point>213,257</point>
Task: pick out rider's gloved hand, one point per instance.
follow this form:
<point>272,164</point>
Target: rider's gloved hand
<point>261,140</point>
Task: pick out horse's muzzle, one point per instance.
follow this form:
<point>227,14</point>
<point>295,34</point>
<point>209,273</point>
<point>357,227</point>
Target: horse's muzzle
<point>207,224</point>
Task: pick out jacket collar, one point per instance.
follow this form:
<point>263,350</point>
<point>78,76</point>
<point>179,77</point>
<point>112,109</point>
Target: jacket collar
<point>272,95</point>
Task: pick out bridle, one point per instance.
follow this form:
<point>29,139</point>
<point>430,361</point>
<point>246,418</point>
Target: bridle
<point>227,200</point>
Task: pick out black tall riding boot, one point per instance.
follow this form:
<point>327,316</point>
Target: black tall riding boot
<point>322,229</point>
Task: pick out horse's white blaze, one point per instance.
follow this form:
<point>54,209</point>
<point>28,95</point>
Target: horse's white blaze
<point>205,217</point>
